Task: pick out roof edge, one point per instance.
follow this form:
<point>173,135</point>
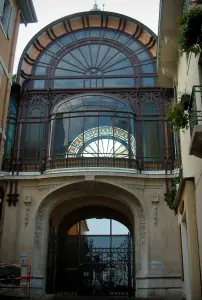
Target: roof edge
<point>28,13</point>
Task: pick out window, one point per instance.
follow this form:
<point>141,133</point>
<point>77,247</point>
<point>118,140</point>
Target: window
<point>151,132</point>
<point>93,126</point>
<point>6,17</point>
<point>100,58</point>
<point>34,133</point>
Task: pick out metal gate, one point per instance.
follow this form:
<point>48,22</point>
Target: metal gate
<point>95,265</point>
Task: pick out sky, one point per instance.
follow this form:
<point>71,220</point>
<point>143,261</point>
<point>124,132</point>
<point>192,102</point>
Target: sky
<point>145,11</point>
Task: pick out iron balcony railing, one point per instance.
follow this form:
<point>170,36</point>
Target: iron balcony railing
<point>195,106</point>
<point>140,165</point>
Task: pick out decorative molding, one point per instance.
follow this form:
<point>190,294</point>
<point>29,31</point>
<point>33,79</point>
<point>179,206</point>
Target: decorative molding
<point>155,202</point>
<point>43,188</point>
<point>27,215</point>
<point>28,199</point>
<point>89,177</point>
<point>142,229</point>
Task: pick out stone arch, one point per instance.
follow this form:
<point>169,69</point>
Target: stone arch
<point>116,195</point>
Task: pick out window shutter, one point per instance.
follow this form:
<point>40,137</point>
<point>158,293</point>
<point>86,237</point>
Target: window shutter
<point>10,24</point>
<point>1,8</point>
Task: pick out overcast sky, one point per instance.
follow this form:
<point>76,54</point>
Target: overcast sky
<point>145,11</point>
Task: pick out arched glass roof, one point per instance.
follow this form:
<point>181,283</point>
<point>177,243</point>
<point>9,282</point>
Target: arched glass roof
<point>90,50</point>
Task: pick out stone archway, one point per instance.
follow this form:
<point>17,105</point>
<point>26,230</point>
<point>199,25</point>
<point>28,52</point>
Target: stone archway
<point>88,193</point>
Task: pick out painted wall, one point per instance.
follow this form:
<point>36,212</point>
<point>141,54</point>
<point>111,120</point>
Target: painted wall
<point>188,76</point>
<point>191,262</point>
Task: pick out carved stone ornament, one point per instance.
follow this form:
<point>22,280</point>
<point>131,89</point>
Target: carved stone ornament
<point>26,215</point>
<point>28,199</point>
<point>155,202</point>
<point>142,229</point>
<point>89,177</point>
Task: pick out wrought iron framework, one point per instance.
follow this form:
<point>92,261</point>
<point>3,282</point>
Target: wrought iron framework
<point>128,127</point>
<point>91,264</point>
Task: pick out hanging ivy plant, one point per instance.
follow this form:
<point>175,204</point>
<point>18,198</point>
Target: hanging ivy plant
<point>190,32</point>
<point>177,117</point>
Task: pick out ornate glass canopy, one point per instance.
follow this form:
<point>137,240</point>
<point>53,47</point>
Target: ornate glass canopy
<point>90,51</point>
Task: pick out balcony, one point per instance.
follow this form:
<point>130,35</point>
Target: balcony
<point>138,165</point>
<point>195,120</point>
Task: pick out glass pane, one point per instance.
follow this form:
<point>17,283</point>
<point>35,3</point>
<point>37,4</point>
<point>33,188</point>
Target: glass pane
<point>95,33</point>
<point>147,81</point>
<point>75,136</point>
<point>68,66</point>
<point>80,35</point>
<point>147,68</point>
<point>143,56</point>
<point>126,71</point>
<point>151,140</point>
<point>118,82</point>
<point>46,58</point>
<point>134,46</point>
<point>54,48</point>
<point>68,83</point>
<point>61,137</point>
<point>40,71</point>
<point>66,40</point>
<point>9,140</point>
<point>123,39</point>
<point>60,72</point>
<point>39,84</point>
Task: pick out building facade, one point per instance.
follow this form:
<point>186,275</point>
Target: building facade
<point>88,137</point>
<point>12,13</point>
<point>182,71</point>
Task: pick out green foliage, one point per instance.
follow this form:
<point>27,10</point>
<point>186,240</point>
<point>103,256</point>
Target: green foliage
<point>190,32</point>
<point>171,197</point>
<point>177,117</point>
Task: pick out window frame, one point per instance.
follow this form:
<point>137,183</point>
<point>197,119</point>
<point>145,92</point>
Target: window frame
<point>7,27</point>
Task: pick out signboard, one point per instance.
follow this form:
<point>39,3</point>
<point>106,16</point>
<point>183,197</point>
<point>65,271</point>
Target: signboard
<point>156,264</point>
<point>23,258</point>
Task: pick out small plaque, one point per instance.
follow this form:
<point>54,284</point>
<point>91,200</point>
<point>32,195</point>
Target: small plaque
<point>156,264</point>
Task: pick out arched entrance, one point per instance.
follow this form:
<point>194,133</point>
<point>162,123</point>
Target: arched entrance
<point>72,202</point>
<point>85,260</point>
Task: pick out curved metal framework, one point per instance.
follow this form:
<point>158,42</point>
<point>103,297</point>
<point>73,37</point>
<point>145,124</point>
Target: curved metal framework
<point>88,98</point>
<point>90,50</point>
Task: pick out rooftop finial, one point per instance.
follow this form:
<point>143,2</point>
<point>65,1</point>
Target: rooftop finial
<point>95,7</point>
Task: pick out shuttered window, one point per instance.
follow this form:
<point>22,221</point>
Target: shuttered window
<point>7,17</point>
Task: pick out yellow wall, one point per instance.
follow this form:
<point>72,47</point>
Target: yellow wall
<point>189,214</point>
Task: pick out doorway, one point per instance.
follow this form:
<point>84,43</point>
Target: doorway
<point>93,256</point>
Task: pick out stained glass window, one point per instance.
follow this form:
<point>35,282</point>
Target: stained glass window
<point>87,126</point>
